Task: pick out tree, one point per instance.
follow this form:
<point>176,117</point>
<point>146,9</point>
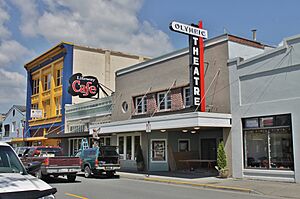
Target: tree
<point>221,159</point>
<point>139,158</point>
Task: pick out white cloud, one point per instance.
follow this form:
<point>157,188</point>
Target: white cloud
<point>29,17</point>
<point>100,23</point>
<point>12,89</point>
<point>4,17</point>
<point>12,51</point>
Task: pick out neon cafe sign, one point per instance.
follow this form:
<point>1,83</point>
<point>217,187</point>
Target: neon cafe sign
<point>83,86</point>
<point>196,53</point>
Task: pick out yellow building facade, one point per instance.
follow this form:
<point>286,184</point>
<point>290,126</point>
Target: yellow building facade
<point>48,81</point>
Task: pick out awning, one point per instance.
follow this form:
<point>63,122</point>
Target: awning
<point>68,135</point>
<point>17,140</point>
<point>174,121</point>
<point>34,139</point>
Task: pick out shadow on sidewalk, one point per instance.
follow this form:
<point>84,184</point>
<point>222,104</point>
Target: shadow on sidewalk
<point>187,174</point>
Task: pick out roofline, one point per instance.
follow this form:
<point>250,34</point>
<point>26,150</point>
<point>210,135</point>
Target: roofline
<point>208,43</point>
<point>118,53</point>
<point>286,43</point>
<point>51,49</point>
<point>15,106</point>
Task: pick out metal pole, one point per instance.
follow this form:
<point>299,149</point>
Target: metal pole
<point>148,131</point>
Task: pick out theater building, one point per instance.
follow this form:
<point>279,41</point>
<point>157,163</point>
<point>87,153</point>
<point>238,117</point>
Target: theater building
<point>152,108</point>
<point>48,81</point>
<point>265,99</point>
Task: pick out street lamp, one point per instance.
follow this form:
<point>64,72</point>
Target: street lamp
<point>148,131</point>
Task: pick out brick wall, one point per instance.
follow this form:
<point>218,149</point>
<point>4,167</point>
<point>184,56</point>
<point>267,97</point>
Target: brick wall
<point>151,103</point>
<point>176,97</point>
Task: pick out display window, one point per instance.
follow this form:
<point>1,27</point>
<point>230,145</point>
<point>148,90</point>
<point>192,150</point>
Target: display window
<point>158,150</point>
<point>269,146</point>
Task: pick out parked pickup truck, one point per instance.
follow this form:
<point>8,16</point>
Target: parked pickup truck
<point>53,162</point>
<point>99,160</point>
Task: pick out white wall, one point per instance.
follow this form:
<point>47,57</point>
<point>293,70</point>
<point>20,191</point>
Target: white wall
<point>101,64</point>
<point>244,51</point>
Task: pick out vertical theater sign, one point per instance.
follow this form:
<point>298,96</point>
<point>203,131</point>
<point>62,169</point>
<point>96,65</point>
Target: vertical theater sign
<point>196,51</point>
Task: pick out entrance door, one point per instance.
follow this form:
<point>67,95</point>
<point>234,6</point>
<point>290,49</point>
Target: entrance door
<point>209,149</point>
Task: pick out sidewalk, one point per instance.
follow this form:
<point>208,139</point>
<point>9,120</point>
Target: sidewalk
<point>268,188</point>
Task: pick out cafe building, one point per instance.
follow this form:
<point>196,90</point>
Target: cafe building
<point>48,77</point>
<point>265,99</point>
<point>152,108</point>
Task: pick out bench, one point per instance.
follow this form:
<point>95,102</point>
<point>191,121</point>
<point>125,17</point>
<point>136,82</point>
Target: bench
<point>209,162</point>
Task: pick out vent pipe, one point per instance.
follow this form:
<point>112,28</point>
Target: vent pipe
<point>254,34</point>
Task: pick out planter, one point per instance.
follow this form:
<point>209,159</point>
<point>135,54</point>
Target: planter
<point>223,173</point>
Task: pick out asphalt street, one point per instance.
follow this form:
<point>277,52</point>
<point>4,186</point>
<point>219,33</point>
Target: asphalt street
<point>116,188</point>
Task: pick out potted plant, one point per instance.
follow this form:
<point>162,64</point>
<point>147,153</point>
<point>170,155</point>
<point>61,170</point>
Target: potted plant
<point>221,161</point>
<point>139,159</point>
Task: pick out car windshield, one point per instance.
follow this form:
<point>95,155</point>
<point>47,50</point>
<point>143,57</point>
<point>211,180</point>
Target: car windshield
<point>9,162</point>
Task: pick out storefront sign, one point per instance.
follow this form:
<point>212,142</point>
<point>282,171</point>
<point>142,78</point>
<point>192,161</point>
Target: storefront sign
<point>188,29</point>
<point>35,113</point>
<point>196,49</point>
<point>251,123</point>
<point>83,86</point>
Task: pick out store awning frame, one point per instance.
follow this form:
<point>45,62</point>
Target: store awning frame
<point>174,121</point>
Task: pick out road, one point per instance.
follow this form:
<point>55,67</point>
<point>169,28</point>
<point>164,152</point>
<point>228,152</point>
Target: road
<point>123,188</point>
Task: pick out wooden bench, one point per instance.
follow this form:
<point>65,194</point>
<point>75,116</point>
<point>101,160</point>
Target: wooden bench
<point>209,162</point>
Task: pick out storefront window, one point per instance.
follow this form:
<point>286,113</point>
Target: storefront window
<point>121,145</point>
<point>128,147</point>
<point>158,150</point>
<point>257,149</point>
<point>268,145</point>
<point>183,145</point>
<point>107,141</point>
<point>136,144</point>
<point>281,149</point>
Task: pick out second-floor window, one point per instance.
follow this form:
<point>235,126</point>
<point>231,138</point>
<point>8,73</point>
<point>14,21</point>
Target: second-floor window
<point>35,86</point>
<point>164,101</point>
<point>141,104</point>
<point>58,77</point>
<point>13,127</point>
<point>187,97</point>
<point>47,82</point>
<point>78,128</point>
<point>47,109</point>
<point>6,130</point>
<point>58,105</point>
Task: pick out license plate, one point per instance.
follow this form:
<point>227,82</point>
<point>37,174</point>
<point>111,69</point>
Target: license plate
<point>109,168</point>
<point>62,170</point>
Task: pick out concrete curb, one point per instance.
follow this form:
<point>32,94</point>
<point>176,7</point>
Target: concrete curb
<point>169,181</point>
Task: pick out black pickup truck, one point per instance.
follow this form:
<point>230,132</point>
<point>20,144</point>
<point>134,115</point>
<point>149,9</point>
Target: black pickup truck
<point>99,160</point>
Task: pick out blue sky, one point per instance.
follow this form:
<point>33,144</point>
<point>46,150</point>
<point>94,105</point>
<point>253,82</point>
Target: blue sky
<point>30,27</point>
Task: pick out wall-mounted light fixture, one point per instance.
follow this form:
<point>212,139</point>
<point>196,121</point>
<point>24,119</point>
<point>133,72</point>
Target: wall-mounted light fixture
<point>163,130</point>
<point>197,128</point>
<point>193,132</point>
<point>184,131</point>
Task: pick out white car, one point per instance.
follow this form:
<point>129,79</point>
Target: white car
<point>15,182</point>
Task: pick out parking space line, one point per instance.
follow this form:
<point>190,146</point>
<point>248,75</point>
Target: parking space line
<point>76,196</point>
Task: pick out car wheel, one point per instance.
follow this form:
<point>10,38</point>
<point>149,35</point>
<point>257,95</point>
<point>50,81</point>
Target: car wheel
<point>110,174</point>
<point>71,178</point>
<point>87,172</point>
<point>39,175</point>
